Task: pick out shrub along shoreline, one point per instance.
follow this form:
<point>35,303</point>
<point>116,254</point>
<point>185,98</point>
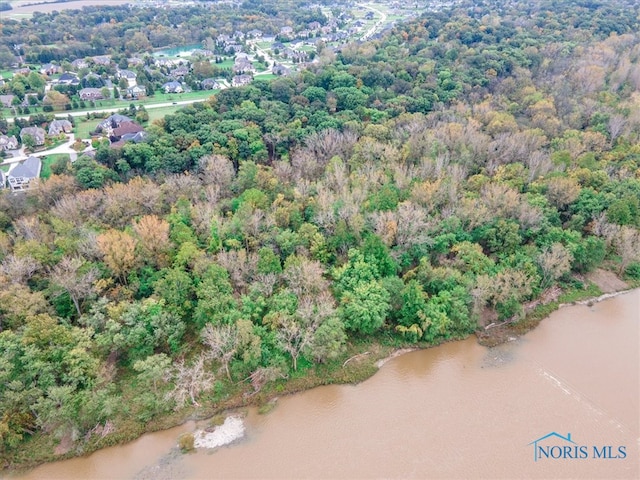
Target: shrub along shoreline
<point>360,362</point>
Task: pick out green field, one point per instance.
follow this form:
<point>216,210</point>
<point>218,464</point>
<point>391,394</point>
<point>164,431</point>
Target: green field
<point>225,64</point>
<point>84,126</point>
<point>157,113</point>
<point>265,78</point>
<point>48,161</point>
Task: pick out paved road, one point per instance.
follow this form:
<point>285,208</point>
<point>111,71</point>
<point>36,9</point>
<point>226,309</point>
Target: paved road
<point>117,109</point>
<point>377,25</point>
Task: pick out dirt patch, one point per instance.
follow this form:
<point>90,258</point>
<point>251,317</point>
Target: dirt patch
<point>606,281</point>
<point>64,446</point>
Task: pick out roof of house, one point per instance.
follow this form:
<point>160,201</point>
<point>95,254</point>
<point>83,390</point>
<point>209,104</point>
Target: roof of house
<point>67,76</point>
<point>126,127</point>
<point>91,91</point>
<point>35,131</point>
<point>115,119</point>
<point>7,100</point>
<point>29,168</point>
<point>127,74</point>
<point>6,140</point>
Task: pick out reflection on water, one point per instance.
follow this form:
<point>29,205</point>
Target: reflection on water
<point>456,411</point>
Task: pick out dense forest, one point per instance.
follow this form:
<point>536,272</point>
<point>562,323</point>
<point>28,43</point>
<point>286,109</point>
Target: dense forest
<point>404,190</point>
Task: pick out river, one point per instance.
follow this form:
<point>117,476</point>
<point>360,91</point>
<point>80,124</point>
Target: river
<point>456,411</point>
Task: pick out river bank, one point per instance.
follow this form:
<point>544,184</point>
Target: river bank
<point>362,361</point>
<point>456,411</point>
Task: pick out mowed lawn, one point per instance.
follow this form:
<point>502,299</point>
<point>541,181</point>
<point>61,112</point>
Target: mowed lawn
<point>84,126</point>
<point>47,161</point>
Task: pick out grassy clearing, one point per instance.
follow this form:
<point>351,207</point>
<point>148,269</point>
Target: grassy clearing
<point>84,126</point>
<point>48,161</point>
<point>265,78</point>
<point>228,63</point>
<point>157,113</point>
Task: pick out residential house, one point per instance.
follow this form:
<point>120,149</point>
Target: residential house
<point>233,48</point>
<point>21,71</point>
<point>255,33</point>
<point>125,128</point>
<point>238,35</point>
<point>21,175</point>
<point>180,72</point>
<point>80,63</point>
<point>68,78</point>
<point>129,76</point>
<point>286,32</point>
<point>172,87</point>
<point>60,126</point>
<point>294,55</point>
<point>279,69</point>
<point>314,26</point>
<point>102,60</point>
<point>223,39</point>
<point>50,69</point>
<point>241,80</point>
<point>8,143</point>
<point>243,65</point>
<point>7,100</point>
<point>91,94</point>
<point>38,134</point>
<point>210,84</point>
<point>129,137</point>
<point>135,61</point>
<point>166,62</point>
<point>137,91</point>
<point>304,34</point>
<point>110,123</point>
<point>277,46</point>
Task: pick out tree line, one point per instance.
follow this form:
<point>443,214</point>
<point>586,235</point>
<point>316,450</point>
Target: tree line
<point>405,190</point>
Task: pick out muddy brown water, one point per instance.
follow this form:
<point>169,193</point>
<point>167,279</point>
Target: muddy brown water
<point>456,411</point>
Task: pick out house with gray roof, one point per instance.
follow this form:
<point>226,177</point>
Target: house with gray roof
<point>172,87</point>
<point>91,94</point>
<point>38,134</point>
<point>129,76</point>
<point>210,84</point>
<point>60,126</point>
<point>136,91</point>
<point>7,100</point>
<point>241,80</point>
<point>79,63</point>
<point>21,175</point>
<point>112,122</point>
<point>68,78</point>
<point>8,143</point>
